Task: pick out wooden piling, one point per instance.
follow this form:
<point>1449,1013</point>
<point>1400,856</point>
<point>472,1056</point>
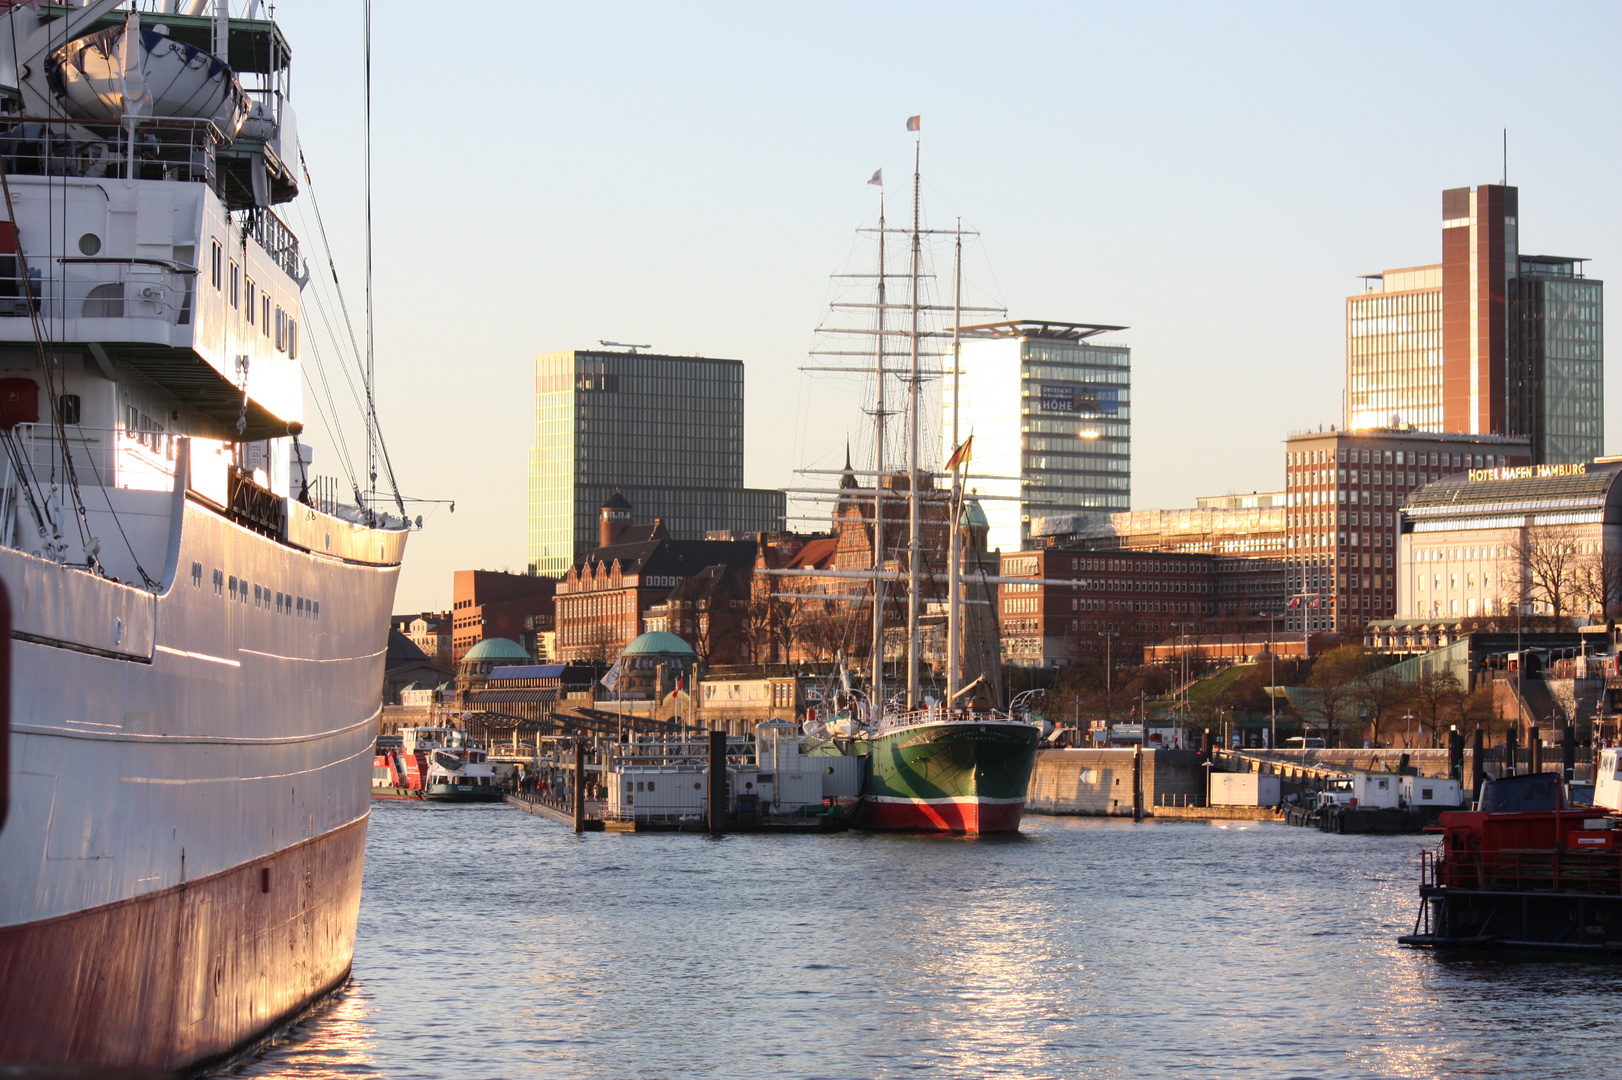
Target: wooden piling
<point>1137,783</point>
<point>1568,751</point>
<point>1478,764</point>
<point>579,785</point>
<point>1536,738</point>
<point>718,783</point>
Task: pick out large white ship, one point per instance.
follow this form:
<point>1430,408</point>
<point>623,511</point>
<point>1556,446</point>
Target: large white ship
<point>197,646</point>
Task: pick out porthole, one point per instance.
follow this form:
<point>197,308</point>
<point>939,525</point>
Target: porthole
<point>89,243</point>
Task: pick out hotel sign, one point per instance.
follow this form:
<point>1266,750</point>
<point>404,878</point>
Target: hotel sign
<point>1528,472</point>
<point>1071,398</point>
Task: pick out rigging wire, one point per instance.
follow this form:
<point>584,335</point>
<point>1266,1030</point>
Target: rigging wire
<point>374,429</point>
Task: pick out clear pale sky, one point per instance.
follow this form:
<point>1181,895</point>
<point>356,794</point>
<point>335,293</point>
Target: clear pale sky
<point>1213,176</point>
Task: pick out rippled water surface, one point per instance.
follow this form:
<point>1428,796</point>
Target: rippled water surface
<point>496,944</point>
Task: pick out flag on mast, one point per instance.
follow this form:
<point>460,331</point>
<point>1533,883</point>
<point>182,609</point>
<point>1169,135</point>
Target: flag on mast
<point>878,177</point>
<point>962,455</point>
<point>914,123</point>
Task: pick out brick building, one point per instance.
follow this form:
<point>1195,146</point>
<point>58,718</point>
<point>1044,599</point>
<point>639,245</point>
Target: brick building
<point>1138,597</point>
<point>491,604</point>
<point>1344,491</point>
<point>608,596</point>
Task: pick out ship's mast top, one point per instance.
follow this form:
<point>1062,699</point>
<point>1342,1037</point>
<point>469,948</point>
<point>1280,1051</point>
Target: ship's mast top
<point>914,540</point>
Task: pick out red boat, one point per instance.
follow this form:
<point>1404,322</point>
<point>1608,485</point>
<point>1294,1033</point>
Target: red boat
<point>1522,871</point>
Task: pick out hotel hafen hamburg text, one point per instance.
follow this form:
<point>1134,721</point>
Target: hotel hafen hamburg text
<point>1494,542</point>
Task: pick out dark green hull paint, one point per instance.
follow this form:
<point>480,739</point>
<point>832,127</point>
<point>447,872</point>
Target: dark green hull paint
<point>952,760</point>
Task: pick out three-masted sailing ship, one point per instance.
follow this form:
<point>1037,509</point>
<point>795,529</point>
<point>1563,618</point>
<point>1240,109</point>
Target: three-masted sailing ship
<point>955,764</point>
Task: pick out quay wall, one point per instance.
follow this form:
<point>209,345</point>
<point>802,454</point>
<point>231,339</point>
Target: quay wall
<point>1098,783</point>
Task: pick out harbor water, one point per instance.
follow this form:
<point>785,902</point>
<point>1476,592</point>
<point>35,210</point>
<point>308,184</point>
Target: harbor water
<point>497,944</point>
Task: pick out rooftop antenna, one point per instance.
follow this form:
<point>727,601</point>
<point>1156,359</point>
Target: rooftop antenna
<point>621,345</point>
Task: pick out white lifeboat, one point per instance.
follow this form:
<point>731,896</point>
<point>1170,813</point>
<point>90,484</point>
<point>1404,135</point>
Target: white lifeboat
<point>137,71</point>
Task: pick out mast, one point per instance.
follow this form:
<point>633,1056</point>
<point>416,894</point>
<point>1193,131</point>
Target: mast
<point>876,687</point>
<point>371,380</point>
<point>954,556</point>
<point>914,546</point>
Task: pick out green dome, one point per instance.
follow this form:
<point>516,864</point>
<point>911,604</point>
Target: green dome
<point>658,643</point>
<point>974,516</point>
<point>496,648</point>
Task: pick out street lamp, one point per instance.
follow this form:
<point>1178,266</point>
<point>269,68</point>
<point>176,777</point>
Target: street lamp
<point>1410,739</point>
<point>1109,672</point>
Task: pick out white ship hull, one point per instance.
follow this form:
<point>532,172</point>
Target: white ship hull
<point>190,778</point>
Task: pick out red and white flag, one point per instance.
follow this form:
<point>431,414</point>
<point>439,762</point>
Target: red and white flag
<point>913,123</point>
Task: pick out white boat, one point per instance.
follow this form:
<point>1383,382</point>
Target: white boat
<point>196,652</point>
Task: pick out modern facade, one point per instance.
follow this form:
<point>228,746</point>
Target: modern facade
<point>1556,359</point>
<point>664,431</point>
<point>1051,415</point>
<point>1487,342</point>
<point>1345,490</point>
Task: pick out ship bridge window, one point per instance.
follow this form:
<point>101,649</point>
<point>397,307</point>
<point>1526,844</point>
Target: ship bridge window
<point>236,285</point>
<point>315,609</point>
<point>215,261</point>
<point>264,323</point>
<point>258,596</point>
<point>253,292</point>
<point>196,574</point>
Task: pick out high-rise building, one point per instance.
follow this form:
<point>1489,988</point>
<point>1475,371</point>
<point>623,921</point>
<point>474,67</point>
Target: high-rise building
<point>1486,342</point>
<point>1051,416</point>
<point>1343,490</point>
<point>1556,354</point>
<point>666,432</point>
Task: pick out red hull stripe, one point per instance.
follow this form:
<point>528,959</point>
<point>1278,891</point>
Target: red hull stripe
<point>966,815</point>
<point>189,973</point>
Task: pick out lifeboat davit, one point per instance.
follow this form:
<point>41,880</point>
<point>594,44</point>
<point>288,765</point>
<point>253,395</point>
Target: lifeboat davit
<point>138,71</point>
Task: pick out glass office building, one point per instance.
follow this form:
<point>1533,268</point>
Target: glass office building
<point>1488,342</point>
<point>666,432</point>
<point>1051,416</point>
<point>1394,350</point>
<point>1556,360</point>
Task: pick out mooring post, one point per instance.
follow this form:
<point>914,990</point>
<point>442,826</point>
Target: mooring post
<point>1512,750</point>
<point>579,785</point>
<point>1536,743</point>
<point>1137,783</point>
<point>1478,764</point>
<point>1455,754</point>
<point>718,783</point>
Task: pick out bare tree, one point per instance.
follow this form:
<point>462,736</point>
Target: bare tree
<point>1380,697</point>
<point>1599,582</point>
<point>1333,695</point>
<point>1436,699</point>
<point>1547,565</point>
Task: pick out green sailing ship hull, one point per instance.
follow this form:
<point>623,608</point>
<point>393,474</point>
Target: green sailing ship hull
<point>953,776</point>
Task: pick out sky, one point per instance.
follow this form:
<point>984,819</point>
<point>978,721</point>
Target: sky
<point>1214,177</point>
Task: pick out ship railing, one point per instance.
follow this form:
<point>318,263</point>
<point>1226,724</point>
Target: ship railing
<point>100,287</point>
<point>137,147</point>
<point>271,233</point>
<point>1553,870</point>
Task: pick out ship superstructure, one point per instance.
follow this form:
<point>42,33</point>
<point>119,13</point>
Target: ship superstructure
<point>197,646</point>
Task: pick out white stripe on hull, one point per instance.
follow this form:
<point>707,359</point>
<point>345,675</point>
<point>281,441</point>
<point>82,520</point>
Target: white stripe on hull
<point>231,730</point>
<point>983,800</point>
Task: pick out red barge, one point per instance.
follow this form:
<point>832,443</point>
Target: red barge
<point>1522,871</point>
